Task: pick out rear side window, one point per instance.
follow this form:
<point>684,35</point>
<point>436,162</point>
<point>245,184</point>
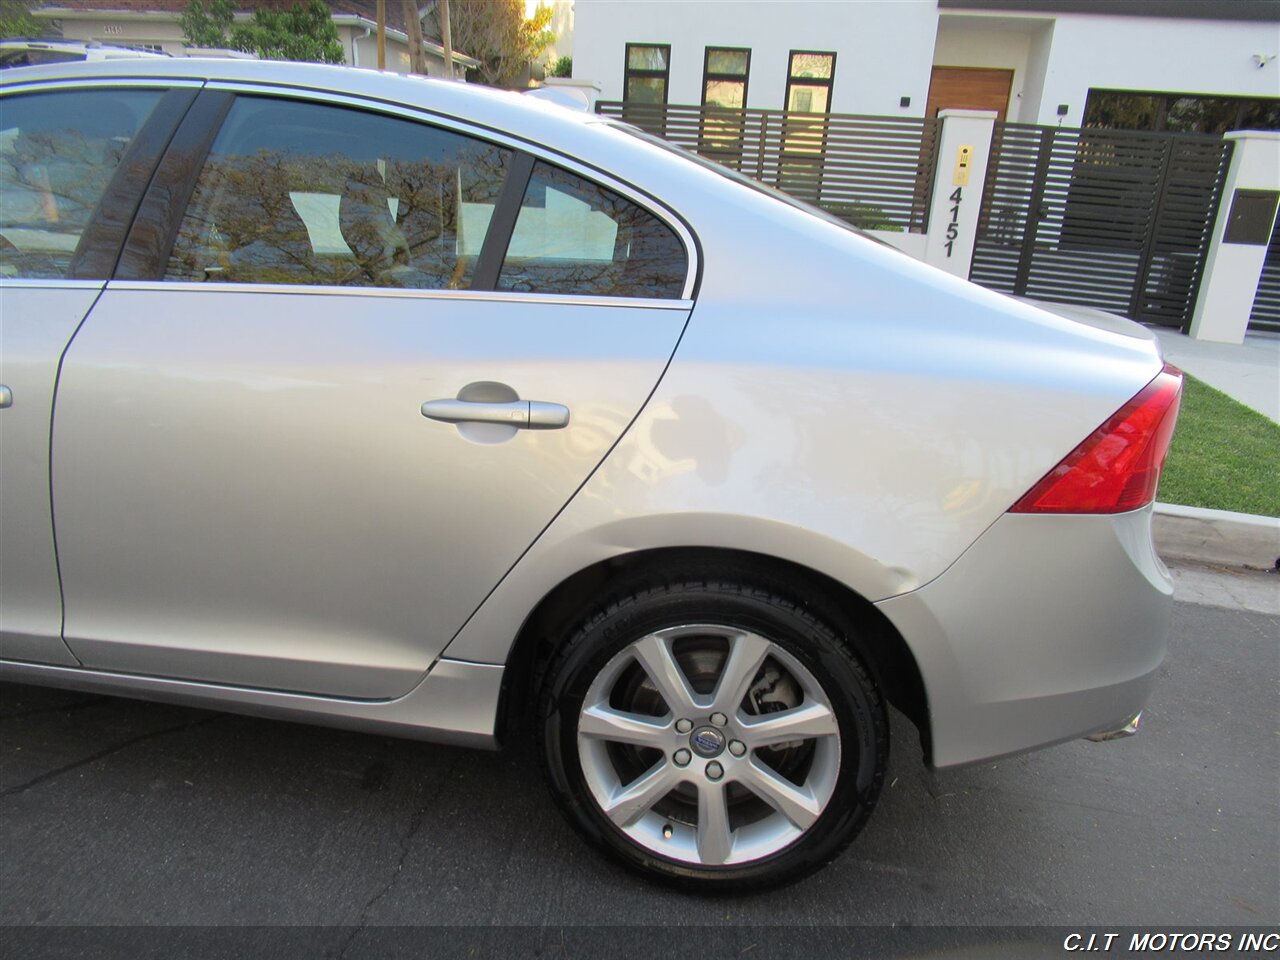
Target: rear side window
<point>58,153</point>
<point>307,193</point>
<point>574,237</point>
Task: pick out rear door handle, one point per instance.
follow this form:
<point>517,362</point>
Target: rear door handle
<point>6,397</point>
<point>524,414</point>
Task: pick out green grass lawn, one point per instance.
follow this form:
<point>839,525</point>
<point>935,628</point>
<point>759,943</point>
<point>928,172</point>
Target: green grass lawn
<point>1224,455</point>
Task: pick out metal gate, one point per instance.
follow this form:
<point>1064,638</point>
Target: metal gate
<point>1266,302</point>
<point>1113,219</point>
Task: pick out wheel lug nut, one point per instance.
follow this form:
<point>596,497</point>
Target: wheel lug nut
<point>719,719</point>
<point>684,726</point>
<point>737,747</point>
<point>714,771</point>
<point>682,757</point>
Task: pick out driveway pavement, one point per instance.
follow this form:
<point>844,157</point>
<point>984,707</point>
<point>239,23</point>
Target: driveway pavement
<point>128,813</point>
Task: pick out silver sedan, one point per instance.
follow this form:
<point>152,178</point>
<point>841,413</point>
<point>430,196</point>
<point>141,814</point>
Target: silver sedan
<point>435,411</point>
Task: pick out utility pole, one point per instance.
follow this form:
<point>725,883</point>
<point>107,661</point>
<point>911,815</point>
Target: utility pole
<point>413,27</point>
<point>446,38</point>
<point>382,34</point>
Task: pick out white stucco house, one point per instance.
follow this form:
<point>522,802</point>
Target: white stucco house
<point>1196,65</point>
<point>1047,209</point>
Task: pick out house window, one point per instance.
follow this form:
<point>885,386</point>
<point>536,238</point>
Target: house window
<point>809,79</point>
<point>1180,112</point>
<point>724,77</point>
<point>724,90</point>
<point>647,74</point>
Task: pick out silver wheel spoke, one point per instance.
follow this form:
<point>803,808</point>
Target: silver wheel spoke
<point>747,653</point>
<point>707,742</point>
<point>632,801</point>
<point>715,841</point>
<point>799,723</point>
<point>797,804</point>
<point>605,723</point>
<point>654,655</point>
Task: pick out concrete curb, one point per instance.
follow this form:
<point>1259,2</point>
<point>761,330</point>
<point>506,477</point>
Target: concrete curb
<point>1216,536</point>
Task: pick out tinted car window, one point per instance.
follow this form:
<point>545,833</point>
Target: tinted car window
<point>308,193</point>
<point>58,153</point>
<point>575,237</point>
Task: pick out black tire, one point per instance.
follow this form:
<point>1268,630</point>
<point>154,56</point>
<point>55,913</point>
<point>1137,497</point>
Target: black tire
<point>751,604</point>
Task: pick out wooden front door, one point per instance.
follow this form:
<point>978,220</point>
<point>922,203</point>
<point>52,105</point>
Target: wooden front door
<point>969,88</point>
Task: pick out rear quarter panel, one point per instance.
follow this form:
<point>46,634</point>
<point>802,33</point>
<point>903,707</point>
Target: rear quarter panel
<point>834,403</point>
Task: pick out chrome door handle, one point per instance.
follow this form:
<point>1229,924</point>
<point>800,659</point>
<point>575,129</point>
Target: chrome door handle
<point>524,414</point>
<point>6,397</point>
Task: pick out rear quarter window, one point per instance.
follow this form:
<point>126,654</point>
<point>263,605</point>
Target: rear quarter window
<point>576,237</point>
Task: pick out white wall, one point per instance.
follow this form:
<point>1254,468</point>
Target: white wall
<point>1154,53</point>
<point>1037,66</point>
<point>884,47</point>
<point>561,26</point>
<point>128,32</point>
<point>361,48</point>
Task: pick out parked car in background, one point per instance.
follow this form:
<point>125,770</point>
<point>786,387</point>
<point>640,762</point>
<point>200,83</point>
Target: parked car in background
<point>31,53</point>
<point>436,411</point>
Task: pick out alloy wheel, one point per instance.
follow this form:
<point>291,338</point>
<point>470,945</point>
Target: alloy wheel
<point>709,745</point>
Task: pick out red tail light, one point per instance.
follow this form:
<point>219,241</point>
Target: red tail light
<point>1118,466</point>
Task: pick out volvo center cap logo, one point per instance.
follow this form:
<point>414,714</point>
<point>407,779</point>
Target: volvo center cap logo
<point>707,741</point>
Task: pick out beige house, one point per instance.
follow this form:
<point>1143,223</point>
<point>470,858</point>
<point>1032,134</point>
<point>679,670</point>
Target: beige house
<point>153,25</point>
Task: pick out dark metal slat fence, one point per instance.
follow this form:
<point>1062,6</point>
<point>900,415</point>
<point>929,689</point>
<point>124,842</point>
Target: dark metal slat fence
<point>1266,302</point>
<point>874,172</point>
<point>1113,219</point>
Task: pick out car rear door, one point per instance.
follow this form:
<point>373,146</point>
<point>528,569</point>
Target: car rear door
<point>249,488</point>
<point>73,163</point>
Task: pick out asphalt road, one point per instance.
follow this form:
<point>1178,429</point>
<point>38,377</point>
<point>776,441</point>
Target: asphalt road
<point>119,812</point>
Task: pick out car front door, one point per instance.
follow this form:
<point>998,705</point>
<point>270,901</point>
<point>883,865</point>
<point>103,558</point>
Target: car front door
<point>301,450</point>
<point>71,159</point>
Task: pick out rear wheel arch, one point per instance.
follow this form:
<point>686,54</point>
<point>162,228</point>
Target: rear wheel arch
<point>868,632</point>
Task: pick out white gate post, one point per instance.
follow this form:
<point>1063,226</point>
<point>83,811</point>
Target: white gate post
<point>964,147</point>
<point>1234,265</point>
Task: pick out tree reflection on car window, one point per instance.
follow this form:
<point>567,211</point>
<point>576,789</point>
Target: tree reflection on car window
<point>306,193</point>
<point>58,153</point>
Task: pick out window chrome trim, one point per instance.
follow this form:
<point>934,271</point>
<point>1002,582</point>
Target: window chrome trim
<point>399,293</point>
<point>645,201</point>
<point>57,283</point>
<point>96,83</point>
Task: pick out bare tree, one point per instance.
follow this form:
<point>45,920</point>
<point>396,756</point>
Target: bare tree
<point>446,36</point>
<point>413,29</point>
<point>382,34</point>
